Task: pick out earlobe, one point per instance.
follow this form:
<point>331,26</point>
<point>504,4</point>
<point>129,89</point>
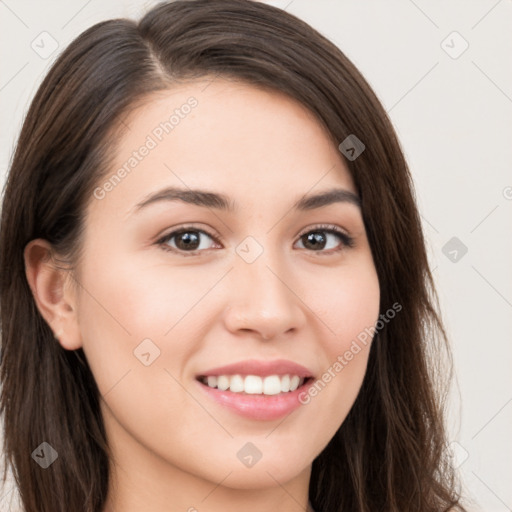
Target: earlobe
<point>54,299</point>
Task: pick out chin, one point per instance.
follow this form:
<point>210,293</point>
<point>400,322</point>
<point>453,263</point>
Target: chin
<point>262,476</point>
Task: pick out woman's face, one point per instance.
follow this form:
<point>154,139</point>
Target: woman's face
<point>253,282</point>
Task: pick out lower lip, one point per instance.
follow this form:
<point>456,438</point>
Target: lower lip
<point>258,407</point>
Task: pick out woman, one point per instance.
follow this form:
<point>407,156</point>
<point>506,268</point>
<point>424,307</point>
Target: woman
<point>214,286</point>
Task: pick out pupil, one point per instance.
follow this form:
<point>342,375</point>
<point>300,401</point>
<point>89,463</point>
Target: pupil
<point>315,240</point>
<point>190,240</point>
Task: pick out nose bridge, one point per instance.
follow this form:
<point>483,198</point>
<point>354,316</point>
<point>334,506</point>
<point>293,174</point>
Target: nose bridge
<point>256,268</point>
<point>261,299</point>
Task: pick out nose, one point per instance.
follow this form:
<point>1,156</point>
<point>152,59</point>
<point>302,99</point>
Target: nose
<point>262,300</point>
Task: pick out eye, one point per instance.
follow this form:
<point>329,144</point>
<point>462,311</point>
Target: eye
<point>192,240</point>
<point>324,237</point>
<point>187,239</point>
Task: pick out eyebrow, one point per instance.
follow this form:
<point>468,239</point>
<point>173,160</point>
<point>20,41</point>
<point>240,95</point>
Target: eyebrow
<point>222,202</point>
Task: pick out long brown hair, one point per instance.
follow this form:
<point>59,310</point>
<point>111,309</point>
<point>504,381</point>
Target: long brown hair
<point>390,452</point>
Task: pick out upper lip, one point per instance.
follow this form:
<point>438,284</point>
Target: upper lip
<point>261,368</point>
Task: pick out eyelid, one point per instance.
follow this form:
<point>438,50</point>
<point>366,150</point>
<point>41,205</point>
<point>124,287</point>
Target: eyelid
<point>347,240</point>
<point>183,228</point>
<point>324,227</point>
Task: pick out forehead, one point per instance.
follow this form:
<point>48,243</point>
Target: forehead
<point>225,136</point>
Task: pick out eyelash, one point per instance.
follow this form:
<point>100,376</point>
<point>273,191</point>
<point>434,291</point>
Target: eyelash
<point>347,241</point>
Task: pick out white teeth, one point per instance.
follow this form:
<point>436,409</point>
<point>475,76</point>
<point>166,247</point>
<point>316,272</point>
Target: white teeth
<point>222,382</point>
<point>294,383</point>
<point>285,383</point>
<point>271,385</point>
<point>254,384</point>
<point>237,384</point>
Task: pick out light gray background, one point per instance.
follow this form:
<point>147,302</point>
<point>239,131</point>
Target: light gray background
<point>453,114</point>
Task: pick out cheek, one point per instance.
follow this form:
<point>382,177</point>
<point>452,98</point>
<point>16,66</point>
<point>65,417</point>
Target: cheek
<point>131,308</point>
<point>135,301</point>
<point>349,310</point>
<point>351,306</point>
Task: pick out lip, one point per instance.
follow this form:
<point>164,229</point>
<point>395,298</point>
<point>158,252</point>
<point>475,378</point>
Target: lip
<point>261,368</point>
<point>258,407</point>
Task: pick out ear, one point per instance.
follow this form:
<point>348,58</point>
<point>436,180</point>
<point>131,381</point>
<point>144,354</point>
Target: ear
<point>53,293</point>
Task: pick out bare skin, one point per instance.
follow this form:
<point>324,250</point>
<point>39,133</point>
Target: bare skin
<point>175,449</point>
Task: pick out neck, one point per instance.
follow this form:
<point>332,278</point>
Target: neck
<point>129,494</point>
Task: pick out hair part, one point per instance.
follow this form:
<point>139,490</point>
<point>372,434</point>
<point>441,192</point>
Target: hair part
<point>390,452</point>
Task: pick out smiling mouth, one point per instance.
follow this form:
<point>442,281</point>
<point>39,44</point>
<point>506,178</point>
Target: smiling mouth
<point>255,384</point>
